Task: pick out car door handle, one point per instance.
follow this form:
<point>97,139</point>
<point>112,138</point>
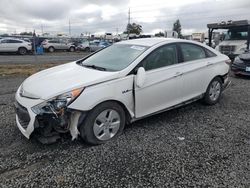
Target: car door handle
<point>178,74</point>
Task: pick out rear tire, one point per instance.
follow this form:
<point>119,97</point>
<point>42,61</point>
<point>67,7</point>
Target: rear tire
<point>71,49</point>
<point>22,51</point>
<point>103,123</point>
<point>214,90</point>
<point>51,49</point>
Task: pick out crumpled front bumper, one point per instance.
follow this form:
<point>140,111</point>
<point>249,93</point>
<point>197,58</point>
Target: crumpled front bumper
<point>23,110</point>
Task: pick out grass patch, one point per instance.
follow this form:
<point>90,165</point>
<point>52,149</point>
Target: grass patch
<point>24,69</point>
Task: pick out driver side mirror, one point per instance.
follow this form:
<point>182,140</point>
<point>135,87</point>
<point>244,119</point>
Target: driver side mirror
<point>140,77</point>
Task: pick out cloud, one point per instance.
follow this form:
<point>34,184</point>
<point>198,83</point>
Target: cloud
<point>109,15</point>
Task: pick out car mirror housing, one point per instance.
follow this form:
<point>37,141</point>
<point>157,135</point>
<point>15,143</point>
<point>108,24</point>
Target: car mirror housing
<point>140,77</point>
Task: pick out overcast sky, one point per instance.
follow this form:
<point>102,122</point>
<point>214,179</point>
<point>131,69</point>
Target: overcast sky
<point>99,16</point>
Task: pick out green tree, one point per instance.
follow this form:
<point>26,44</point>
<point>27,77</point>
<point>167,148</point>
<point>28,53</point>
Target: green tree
<point>134,28</point>
<point>177,28</point>
<point>26,33</point>
<point>160,34</point>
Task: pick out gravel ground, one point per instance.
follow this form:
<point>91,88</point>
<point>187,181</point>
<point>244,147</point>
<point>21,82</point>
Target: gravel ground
<point>193,146</point>
<point>55,57</point>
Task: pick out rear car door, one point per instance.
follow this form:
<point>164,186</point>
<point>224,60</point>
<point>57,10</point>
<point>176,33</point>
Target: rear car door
<point>163,81</point>
<point>4,45</point>
<point>14,45</point>
<point>64,45</point>
<point>196,68</point>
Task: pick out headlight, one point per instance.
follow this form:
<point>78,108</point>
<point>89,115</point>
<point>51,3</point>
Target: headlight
<point>238,60</point>
<point>57,103</point>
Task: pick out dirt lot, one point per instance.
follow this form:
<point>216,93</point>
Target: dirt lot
<point>56,57</point>
<point>193,146</point>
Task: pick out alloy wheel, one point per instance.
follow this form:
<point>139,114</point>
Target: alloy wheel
<point>107,124</point>
<point>215,90</point>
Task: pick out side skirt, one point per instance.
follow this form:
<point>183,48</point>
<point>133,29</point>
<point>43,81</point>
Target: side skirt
<point>169,108</point>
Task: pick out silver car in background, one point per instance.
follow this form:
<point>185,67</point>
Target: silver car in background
<point>52,45</point>
<point>15,45</point>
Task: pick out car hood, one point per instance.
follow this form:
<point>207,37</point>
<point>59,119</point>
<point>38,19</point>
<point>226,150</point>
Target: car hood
<point>60,79</point>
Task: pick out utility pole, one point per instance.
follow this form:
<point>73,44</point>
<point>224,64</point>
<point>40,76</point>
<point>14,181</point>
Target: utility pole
<point>42,28</point>
<point>128,22</point>
<point>69,29</point>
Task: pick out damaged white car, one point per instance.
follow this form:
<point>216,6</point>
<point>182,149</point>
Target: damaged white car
<point>96,96</point>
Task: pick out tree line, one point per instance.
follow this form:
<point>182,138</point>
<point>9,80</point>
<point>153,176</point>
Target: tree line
<point>135,28</point>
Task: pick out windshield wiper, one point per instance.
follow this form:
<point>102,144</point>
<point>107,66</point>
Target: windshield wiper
<point>95,67</point>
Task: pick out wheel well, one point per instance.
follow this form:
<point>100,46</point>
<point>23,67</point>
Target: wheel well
<point>22,47</point>
<point>220,77</point>
<point>127,114</point>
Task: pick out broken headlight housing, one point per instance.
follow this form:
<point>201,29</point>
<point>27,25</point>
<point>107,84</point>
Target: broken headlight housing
<point>56,104</point>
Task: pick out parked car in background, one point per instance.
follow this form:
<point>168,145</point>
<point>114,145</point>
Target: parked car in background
<point>15,45</point>
<point>91,46</point>
<point>52,45</point>
<point>241,64</point>
<point>84,46</point>
<point>96,96</point>
<point>97,45</point>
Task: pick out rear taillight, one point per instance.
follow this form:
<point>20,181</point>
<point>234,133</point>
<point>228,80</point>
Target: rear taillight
<point>228,62</point>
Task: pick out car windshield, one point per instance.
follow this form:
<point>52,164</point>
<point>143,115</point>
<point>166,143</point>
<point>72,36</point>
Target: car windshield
<point>115,57</point>
<point>235,34</point>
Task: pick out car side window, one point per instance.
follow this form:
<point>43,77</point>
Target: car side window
<point>15,41</point>
<point>161,57</point>
<point>192,52</point>
<point>209,53</point>
<point>4,41</point>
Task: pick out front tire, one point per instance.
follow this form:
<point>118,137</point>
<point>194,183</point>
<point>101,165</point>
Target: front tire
<point>51,49</point>
<point>104,123</point>
<point>214,90</point>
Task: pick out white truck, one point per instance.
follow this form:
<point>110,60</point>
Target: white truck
<point>236,37</point>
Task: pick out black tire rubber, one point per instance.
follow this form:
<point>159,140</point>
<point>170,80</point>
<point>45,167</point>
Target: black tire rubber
<point>22,51</point>
<point>86,129</point>
<point>87,49</point>
<point>51,49</point>
<point>206,98</point>
<point>71,49</point>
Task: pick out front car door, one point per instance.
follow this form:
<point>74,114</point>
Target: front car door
<point>162,84</point>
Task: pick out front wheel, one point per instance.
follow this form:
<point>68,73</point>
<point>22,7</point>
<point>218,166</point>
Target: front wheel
<point>105,122</point>
<point>51,49</point>
<point>213,93</point>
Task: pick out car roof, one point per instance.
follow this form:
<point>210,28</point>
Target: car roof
<point>11,39</point>
<point>150,41</point>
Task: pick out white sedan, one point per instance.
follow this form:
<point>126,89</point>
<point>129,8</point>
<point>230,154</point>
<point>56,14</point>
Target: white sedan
<point>15,45</point>
<point>97,95</point>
